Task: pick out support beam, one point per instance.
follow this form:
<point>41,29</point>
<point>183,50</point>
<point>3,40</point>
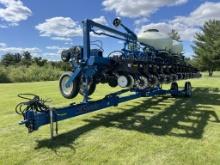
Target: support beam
<point>34,120</point>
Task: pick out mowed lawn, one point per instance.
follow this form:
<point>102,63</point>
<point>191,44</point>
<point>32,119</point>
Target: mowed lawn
<point>154,130</point>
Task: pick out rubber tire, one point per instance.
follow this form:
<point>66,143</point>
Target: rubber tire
<point>75,87</point>
<point>174,86</point>
<point>188,89</point>
<point>113,83</point>
<point>91,89</point>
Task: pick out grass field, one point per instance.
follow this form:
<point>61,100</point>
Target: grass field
<point>155,130</point>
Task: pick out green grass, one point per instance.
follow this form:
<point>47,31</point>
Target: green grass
<point>154,130</point>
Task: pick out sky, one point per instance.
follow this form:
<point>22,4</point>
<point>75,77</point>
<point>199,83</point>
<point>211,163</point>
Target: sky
<point>46,27</point>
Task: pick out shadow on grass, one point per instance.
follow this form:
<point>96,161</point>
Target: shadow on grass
<point>181,117</point>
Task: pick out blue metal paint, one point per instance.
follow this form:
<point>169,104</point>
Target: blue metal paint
<point>73,76</point>
<point>37,119</point>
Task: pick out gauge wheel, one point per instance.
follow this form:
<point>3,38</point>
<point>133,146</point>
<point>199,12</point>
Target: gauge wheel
<point>188,89</point>
<point>71,91</point>
<point>91,88</point>
<point>174,87</point>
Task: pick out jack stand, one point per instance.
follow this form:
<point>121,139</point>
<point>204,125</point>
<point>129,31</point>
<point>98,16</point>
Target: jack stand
<point>52,131</point>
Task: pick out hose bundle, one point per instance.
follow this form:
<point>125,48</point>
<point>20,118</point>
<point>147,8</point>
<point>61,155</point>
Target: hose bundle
<point>34,103</point>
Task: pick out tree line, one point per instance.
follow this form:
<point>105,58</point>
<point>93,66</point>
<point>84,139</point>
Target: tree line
<point>23,67</point>
<point>26,59</point>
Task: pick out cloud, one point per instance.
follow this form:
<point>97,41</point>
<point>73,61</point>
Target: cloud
<point>63,28</point>
<point>101,20</point>
<point>138,8</point>
<point>54,52</point>
<point>68,43</point>
<point>13,12</point>
<point>141,21</point>
<point>3,26</point>
<point>59,28</point>
<point>2,45</point>
<point>54,47</point>
<point>187,26</point>
<point>62,38</point>
<point>51,56</point>
<point>6,49</point>
<point>206,11</point>
<point>57,49</point>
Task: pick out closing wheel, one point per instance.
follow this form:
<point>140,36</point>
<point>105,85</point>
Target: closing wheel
<point>174,88</point>
<point>71,91</point>
<point>91,88</point>
<point>188,89</point>
<point>142,83</point>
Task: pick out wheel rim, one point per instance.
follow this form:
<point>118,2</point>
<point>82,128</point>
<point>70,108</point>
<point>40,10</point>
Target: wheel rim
<point>122,81</point>
<point>66,90</point>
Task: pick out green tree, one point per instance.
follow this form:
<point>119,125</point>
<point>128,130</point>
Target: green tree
<point>174,35</point>
<point>26,58</point>
<point>207,46</point>
<point>17,57</point>
<point>39,61</point>
<point>11,59</point>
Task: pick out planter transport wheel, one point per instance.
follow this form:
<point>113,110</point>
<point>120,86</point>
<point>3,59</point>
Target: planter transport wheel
<point>71,91</point>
